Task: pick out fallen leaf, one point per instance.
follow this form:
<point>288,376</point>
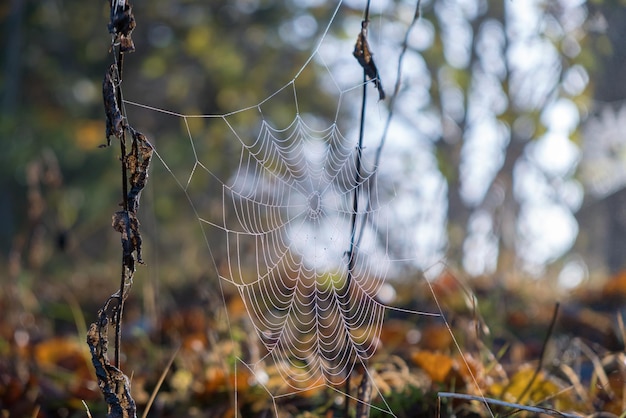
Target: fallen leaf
<point>438,366</point>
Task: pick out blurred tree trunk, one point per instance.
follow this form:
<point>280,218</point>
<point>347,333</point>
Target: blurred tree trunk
<point>11,66</point>
<point>610,87</point>
<point>12,49</point>
<point>449,149</point>
<point>616,245</point>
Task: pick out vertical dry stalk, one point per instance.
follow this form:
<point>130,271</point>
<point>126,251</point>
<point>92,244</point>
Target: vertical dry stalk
<point>364,56</point>
<point>113,383</point>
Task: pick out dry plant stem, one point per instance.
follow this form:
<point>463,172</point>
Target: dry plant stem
<point>113,383</point>
<point>391,106</point>
<point>120,67</point>
<point>352,251</point>
<point>123,278</point>
<point>364,396</point>
<point>542,354</point>
<point>363,412</point>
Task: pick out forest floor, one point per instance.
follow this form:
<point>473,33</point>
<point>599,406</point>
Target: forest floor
<point>499,342</point>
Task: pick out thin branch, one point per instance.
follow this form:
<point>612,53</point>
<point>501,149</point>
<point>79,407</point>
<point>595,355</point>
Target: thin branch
<point>392,103</point>
<point>536,409</point>
<point>363,56</point>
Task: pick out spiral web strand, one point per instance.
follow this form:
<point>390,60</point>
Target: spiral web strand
<point>280,235</point>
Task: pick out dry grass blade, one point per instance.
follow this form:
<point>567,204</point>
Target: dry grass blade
<point>598,370</point>
<point>159,384</point>
<point>574,379</point>
<point>622,369</point>
<point>36,411</point>
<point>87,411</point>
<point>620,325</point>
<point>542,354</point>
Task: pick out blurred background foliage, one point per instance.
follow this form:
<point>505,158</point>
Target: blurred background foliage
<point>193,57</point>
<point>491,79</point>
<point>519,107</point>
<point>488,76</point>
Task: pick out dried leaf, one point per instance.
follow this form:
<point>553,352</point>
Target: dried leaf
<point>114,119</point>
<point>138,163</point>
<point>542,387</point>
<point>365,57</point>
<point>438,366</point>
<point>114,385</point>
<point>126,223</point>
<point>122,24</point>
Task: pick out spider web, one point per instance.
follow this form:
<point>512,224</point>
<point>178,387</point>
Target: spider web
<point>307,227</point>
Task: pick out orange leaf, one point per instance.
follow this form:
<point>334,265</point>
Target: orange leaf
<point>64,352</point>
<point>89,134</point>
<point>616,285</point>
<point>438,366</point>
